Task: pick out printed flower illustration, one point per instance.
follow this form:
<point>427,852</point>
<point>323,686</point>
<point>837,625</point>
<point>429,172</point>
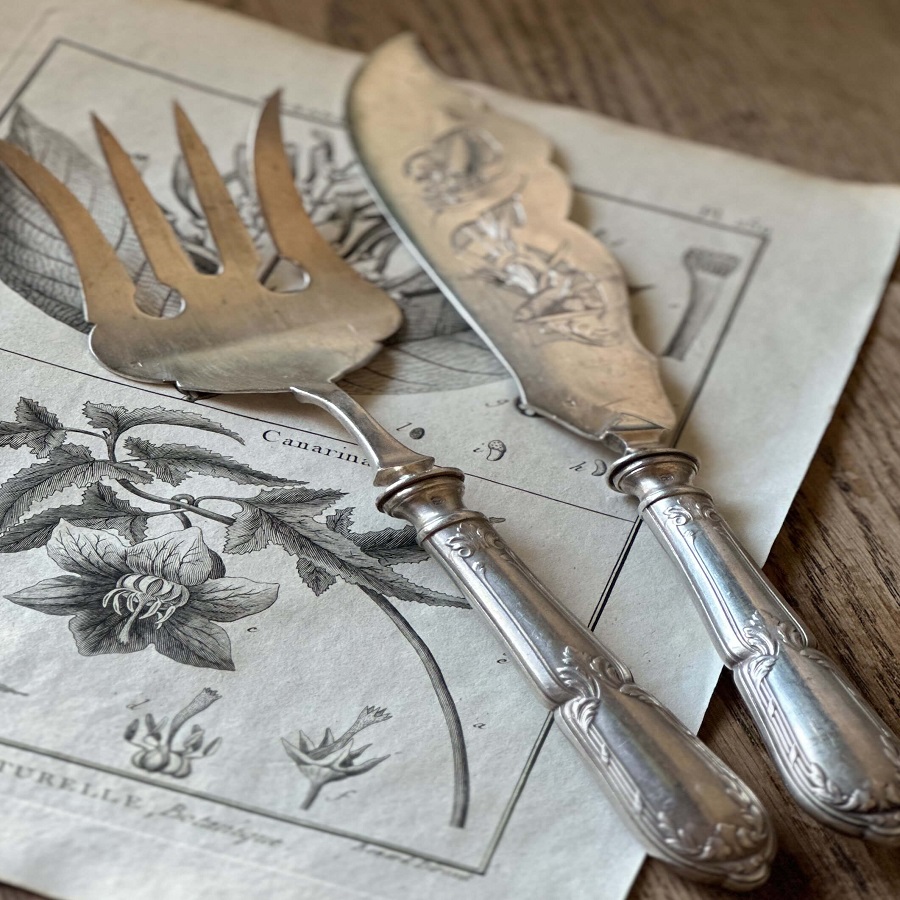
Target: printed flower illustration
<point>157,752</point>
<point>168,591</point>
<point>334,759</point>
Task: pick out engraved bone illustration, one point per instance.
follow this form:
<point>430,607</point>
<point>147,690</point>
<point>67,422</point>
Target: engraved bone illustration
<point>708,271</point>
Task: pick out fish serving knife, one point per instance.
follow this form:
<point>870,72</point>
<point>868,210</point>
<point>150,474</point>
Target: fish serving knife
<point>235,335</point>
<point>474,195</point>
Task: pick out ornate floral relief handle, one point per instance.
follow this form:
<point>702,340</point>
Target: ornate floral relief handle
<point>685,805</point>
<point>837,757</point>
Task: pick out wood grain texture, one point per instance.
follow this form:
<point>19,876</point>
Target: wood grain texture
<point>810,83</point>
<point>11,893</point>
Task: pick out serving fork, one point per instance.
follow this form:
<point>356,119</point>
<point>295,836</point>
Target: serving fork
<point>235,335</point>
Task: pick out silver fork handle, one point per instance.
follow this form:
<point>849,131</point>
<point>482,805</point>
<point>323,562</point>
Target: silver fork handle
<point>837,757</point>
<point>685,805</point>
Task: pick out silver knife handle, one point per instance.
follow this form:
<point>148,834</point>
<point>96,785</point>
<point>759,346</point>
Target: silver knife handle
<point>837,757</point>
<point>685,805</point>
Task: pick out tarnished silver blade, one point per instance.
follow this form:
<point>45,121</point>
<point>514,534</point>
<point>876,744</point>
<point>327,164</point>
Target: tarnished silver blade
<point>476,198</point>
<point>234,334</point>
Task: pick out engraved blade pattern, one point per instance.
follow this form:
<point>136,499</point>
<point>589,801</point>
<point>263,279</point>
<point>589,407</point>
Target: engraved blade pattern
<point>479,203</point>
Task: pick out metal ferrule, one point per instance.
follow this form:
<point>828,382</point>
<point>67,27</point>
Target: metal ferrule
<point>651,475</point>
<point>429,501</point>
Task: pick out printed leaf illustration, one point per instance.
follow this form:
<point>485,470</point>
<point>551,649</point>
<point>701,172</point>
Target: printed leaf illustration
<point>173,463</point>
<point>341,520</point>
<point>70,465</point>
<point>34,260</point>
<point>391,546</point>
<point>35,427</point>
<point>99,508</point>
<point>301,502</point>
<point>317,579</point>
<point>118,419</point>
<point>272,518</point>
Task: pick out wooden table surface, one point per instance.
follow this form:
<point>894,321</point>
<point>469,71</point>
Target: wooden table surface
<point>811,83</point>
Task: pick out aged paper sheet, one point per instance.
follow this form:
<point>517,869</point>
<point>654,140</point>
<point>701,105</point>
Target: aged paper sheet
<point>187,655</point>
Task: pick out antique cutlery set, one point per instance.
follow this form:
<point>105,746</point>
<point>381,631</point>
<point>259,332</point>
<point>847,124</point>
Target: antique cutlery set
<point>474,196</point>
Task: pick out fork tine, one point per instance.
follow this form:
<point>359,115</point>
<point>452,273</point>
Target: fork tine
<point>168,260</point>
<point>107,286</point>
<point>228,230</point>
<point>293,232</point>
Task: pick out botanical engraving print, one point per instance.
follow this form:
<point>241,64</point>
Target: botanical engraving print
<point>168,592</point>
<point>431,353</point>
<point>126,593</point>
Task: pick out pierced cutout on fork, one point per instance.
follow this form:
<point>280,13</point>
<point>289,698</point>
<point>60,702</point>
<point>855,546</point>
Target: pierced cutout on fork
<point>284,276</point>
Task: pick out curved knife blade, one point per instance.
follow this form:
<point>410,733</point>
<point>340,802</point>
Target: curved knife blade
<point>475,197</point>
